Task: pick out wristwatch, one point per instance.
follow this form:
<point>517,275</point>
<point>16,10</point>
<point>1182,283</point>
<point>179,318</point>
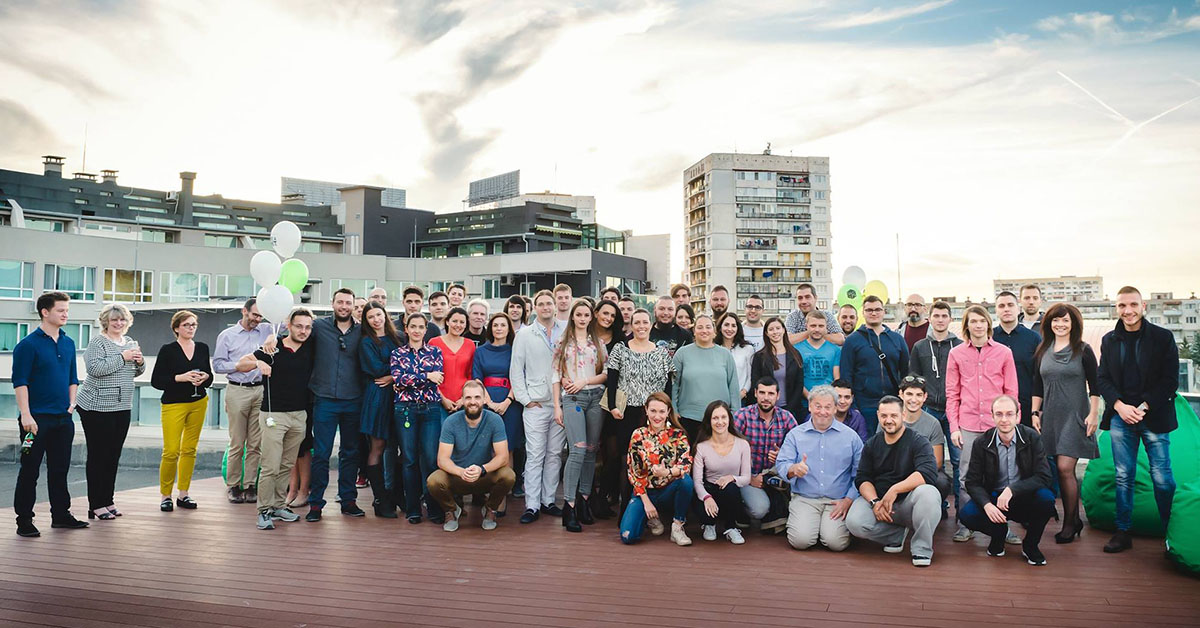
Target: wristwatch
<point>1037,413</point>
<point>875,501</point>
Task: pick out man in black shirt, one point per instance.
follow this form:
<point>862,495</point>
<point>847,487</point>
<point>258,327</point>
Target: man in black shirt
<point>665,332</point>
<point>286,372</point>
<point>896,484</point>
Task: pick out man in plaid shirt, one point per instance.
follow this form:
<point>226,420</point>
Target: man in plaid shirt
<point>765,426</point>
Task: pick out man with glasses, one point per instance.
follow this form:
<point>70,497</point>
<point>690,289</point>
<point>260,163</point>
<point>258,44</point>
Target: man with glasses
<point>243,395</point>
<point>796,322</point>
<point>873,360</point>
<point>752,326</point>
<point>915,325</point>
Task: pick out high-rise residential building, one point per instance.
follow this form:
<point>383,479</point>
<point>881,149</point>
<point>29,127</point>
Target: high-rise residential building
<point>1065,288</point>
<point>758,224</point>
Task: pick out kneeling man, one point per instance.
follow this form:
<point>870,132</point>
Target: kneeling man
<point>472,459</point>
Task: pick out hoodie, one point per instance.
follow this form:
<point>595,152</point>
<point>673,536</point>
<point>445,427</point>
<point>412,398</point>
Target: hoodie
<point>928,360</point>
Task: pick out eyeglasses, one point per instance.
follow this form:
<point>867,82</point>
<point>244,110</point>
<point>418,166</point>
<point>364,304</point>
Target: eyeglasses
<point>754,307</point>
<point>189,325</point>
<point>910,379</point>
<point>873,310</point>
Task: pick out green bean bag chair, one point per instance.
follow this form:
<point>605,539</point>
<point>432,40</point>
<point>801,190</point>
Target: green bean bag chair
<point>1183,533</point>
<point>1099,486</point>
<point>225,467</point>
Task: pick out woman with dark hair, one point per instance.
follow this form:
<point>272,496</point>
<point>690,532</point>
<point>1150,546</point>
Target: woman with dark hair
<point>731,336</point>
<point>379,340</point>
<point>660,470</point>
<point>607,324</point>
<point>576,385</point>
<point>518,312</point>
<point>490,366</point>
<point>685,316</point>
<point>1066,403</point>
<point>183,372</point>
<point>417,419</point>
<point>704,372</point>
<point>721,467</point>
<point>779,359</point>
<point>458,354</point>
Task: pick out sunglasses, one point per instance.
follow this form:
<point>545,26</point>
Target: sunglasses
<point>341,343</point>
<point>910,379</point>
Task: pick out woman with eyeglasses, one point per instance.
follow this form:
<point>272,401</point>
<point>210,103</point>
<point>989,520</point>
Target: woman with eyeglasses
<point>183,372</point>
<point>1066,404</point>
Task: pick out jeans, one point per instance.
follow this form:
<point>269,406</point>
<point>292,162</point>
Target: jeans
<point>955,452</point>
<point>583,419</point>
<point>329,417</point>
<point>105,433</point>
<point>1125,439</point>
<point>964,461</point>
<point>678,493</point>
<point>757,501</point>
<point>920,511</point>
<point>729,505</point>
<point>53,441</point>
<point>420,427</point>
<point>1032,511</point>
<point>870,416</point>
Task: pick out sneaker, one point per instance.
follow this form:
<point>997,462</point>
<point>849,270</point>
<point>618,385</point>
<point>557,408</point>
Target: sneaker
<point>899,547</point>
<point>235,495</point>
<point>996,547</point>
<point>518,490</point>
<point>451,523</point>
<point>265,522</point>
<point>735,536</point>
<point>922,561</point>
<point>656,526</point>
<point>489,523</point>
<point>351,509</point>
<point>360,481</point>
<point>69,522</point>
<point>1034,556</point>
<point>314,514</point>
<point>963,534</point>
<point>1012,538</point>
<point>1119,542</point>
<point>773,524</point>
<point>26,528</point>
<point>708,532</point>
<point>284,514</point>
<point>250,495</point>
<point>678,536</point>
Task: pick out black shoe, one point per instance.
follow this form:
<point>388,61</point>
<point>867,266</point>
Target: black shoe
<point>250,495</point>
<point>583,510</point>
<point>70,523</point>
<point>235,495</point>
<point>530,515</point>
<point>414,519</point>
<point>1067,535</point>
<point>351,509</point>
<point>1119,542</point>
<point>166,505</point>
<point>569,520</point>
<point>186,502</point>
<point>553,510</point>
<point>600,508</point>
<point>384,507</point>
<point>1034,556</point>
<point>26,528</point>
<point>314,514</point>
<point>996,546</point>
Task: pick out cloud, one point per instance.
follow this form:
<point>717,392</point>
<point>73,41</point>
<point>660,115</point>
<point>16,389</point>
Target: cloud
<point>880,15</point>
<point>426,21</point>
<point>1104,28</point>
<point>23,132</point>
<point>50,71</point>
<point>656,173</point>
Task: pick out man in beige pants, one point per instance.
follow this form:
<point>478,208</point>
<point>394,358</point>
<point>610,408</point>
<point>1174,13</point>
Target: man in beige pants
<point>243,396</point>
<point>286,372</point>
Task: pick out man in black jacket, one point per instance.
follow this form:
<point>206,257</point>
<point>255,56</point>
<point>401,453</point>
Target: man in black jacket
<point>1008,479</point>
<point>1138,377</point>
<point>665,332</point>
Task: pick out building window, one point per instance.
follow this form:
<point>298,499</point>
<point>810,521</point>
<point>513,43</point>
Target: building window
<point>54,226</point>
<point>528,288</point>
<point>236,286</point>
<point>308,246</point>
<point>207,205</point>
<point>16,279</point>
<point>434,252</point>
<point>105,193</point>
<point>81,201</point>
<point>11,334</point>
<point>497,248</point>
<point>222,241</point>
<point>110,204</point>
<point>361,287</point>
<point>183,287</point>
<point>158,235</point>
<point>78,282</point>
<point>208,215</point>
<point>81,333</point>
<point>820,241</point>
<point>148,210</point>
<point>472,250</point>
<point>138,197</point>
<point>216,225</point>
<point>288,212</point>
<point>129,286</point>
<point>491,288</point>
<point>76,190</point>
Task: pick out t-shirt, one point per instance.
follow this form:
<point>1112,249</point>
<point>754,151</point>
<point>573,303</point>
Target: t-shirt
<point>754,335</point>
<point>884,465</point>
<point>819,362</point>
<point>473,445</point>
<point>913,334</point>
<point>929,427</point>
<point>286,388</point>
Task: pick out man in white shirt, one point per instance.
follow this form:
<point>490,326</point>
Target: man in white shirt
<point>530,374</point>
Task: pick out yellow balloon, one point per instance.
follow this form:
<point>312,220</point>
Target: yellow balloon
<point>876,288</point>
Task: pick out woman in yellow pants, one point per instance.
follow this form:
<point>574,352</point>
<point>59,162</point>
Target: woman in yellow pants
<point>182,371</point>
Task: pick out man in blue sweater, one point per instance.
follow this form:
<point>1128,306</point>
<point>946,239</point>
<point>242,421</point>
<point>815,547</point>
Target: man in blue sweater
<point>874,359</point>
<point>1023,342</point>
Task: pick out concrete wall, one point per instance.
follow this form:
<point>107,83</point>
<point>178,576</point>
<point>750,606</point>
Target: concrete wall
<point>656,250</point>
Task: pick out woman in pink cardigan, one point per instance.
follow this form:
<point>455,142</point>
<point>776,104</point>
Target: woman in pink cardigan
<point>977,371</point>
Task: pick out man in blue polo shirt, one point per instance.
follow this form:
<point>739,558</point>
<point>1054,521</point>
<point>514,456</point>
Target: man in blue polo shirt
<point>44,380</point>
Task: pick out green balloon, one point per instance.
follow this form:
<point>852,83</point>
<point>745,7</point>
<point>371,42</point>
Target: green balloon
<point>293,275</point>
<point>849,294</point>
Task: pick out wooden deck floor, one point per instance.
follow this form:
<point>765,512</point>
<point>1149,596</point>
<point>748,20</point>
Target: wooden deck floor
<point>212,567</point>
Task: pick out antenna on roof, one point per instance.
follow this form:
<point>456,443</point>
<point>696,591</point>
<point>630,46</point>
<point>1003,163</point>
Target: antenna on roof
<point>85,134</point>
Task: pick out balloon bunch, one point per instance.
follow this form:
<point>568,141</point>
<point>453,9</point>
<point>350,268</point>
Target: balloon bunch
<point>855,288</point>
<point>281,280</point>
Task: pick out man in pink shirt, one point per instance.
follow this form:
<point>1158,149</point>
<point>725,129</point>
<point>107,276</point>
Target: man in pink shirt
<point>977,371</point>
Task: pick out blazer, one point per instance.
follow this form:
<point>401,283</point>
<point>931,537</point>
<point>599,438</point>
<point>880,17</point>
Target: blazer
<point>760,366</point>
<point>983,475</point>
<point>1158,361</point>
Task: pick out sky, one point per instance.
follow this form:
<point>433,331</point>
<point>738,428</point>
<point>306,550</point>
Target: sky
<point>1008,139</point>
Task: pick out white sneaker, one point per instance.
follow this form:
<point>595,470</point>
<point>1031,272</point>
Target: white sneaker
<point>284,514</point>
<point>896,549</point>
<point>451,523</point>
<point>264,521</point>
<point>735,536</point>
<point>656,526</point>
<point>962,534</point>
<point>679,536</point>
<point>1012,538</point>
<point>709,532</point>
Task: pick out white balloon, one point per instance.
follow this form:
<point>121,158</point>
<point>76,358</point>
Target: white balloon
<point>264,267</point>
<point>854,276</point>
<point>285,237</point>
<point>275,303</point>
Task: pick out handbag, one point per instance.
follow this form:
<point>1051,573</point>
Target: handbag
<point>622,401</point>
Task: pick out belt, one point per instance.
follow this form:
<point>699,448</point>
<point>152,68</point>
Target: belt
<point>247,385</point>
<point>502,382</point>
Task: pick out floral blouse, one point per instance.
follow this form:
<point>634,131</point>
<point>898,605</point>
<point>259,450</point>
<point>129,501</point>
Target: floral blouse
<point>668,446</point>
<point>411,369</point>
<point>581,362</point>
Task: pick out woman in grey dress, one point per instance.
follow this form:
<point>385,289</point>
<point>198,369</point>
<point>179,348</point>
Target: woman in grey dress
<point>1065,404</point>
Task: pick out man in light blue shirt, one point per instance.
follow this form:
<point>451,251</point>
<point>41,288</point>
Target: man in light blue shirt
<point>821,357</point>
<point>820,459</point>
<point>243,397</point>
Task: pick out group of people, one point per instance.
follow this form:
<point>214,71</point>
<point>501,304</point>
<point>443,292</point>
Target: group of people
<point>811,425</point>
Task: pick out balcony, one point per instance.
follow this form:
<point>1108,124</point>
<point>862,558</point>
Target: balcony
<point>774,215</point>
<point>756,244</point>
<point>753,230</point>
<point>783,183</point>
<point>773,263</point>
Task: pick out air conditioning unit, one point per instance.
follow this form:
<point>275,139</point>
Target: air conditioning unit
<point>508,280</point>
<point>172,197</point>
